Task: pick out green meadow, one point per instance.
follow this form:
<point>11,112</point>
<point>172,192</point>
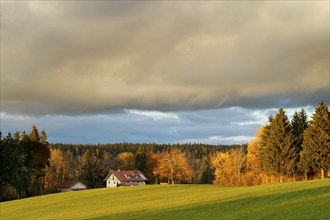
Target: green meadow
<point>296,200</point>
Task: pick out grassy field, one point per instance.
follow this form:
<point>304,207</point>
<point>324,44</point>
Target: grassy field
<point>299,200</point>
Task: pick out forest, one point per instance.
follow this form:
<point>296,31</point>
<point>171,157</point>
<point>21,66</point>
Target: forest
<point>31,166</point>
<point>282,150</point>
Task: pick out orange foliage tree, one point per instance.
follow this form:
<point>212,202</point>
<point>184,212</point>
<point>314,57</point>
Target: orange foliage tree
<point>173,165</point>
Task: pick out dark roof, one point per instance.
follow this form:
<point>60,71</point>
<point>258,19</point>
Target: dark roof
<point>67,183</point>
<point>128,175</point>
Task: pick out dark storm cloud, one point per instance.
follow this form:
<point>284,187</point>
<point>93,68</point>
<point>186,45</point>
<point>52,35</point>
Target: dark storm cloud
<point>84,57</point>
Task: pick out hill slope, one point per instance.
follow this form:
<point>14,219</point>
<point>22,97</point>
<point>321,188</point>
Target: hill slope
<point>299,200</point>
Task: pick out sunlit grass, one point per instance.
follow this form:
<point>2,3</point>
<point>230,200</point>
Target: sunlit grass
<point>299,200</point>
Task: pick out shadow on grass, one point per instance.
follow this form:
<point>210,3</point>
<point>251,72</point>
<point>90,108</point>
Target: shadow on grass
<point>301,204</point>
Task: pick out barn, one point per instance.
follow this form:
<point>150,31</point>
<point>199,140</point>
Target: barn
<point>70,185</point>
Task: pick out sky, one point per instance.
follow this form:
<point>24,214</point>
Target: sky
<point>160,71</point>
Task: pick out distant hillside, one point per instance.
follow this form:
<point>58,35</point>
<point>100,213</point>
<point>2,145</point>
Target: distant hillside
<point>296,200</point>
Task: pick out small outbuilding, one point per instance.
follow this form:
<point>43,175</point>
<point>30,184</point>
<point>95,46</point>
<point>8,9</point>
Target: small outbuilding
<point>125,178</point>
<point>70,185</point>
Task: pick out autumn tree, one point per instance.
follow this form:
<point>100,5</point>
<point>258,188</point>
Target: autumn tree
<point>126,161</point>
<point>228,166</point>
<point>57,166</point>
<point>316,144</point>
<point>173,165</point>
<point>151,162</point>
<point>253,152</point>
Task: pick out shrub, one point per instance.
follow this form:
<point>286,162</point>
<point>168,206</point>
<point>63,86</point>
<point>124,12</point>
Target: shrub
<point>8,192</point>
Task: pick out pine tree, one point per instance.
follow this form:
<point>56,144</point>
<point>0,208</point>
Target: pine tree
<point>208,175</point>
<point>34,135</point>
<point>24,137</point>
<point>43,137</point>
<point>140,159</point>
<point>316,143</point>
<point>91,170</point>
<point>278,152</point>
<point>299,124</point>
<point>16,137</point>
<point>267,154</point>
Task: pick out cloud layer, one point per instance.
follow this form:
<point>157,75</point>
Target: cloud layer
<point>232,125</point>
<point>84,57</point>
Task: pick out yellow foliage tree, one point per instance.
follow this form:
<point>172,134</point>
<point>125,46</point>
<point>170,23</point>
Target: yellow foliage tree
<point>126,160</point>
<point>253,155</point>
<point>228,166</point>
<point>58,166</point>
<point>173,165</point>
<point>221,164</point>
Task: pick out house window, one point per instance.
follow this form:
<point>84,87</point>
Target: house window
<point>113,178</point>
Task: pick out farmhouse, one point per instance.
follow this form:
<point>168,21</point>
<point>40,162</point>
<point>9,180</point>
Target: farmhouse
<point>70,185</point>
<point>125,178</point>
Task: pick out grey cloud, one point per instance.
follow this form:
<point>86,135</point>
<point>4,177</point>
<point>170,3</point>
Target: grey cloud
<point>81,57</point>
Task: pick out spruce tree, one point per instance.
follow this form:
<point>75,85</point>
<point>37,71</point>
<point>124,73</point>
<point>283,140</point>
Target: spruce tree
<point>43,137</point>
<point>140,160</point>
<point>34,135</point>
<point>315,154</point>
<point>279,154</point>
<point>299,124</point>
<point>16,137</point>
<point>267,154</point>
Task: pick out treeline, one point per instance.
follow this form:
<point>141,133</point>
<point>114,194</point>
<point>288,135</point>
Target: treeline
<point>31,166</point>
<point>282,150</point>
<point>23,159</point>
<point>91,163</point>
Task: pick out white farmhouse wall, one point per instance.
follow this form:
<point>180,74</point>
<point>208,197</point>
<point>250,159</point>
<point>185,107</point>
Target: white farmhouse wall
<point>112,181</point>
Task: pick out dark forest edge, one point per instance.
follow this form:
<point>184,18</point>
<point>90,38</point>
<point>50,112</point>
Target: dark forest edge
<point>283,150</point>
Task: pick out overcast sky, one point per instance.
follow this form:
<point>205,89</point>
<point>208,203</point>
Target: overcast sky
<point>160,71</point>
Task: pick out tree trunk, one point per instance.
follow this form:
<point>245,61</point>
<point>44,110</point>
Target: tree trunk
<point>322,173</point>
<point>306,178</point>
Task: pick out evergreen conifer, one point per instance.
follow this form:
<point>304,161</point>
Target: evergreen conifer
<point>316,143</point>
